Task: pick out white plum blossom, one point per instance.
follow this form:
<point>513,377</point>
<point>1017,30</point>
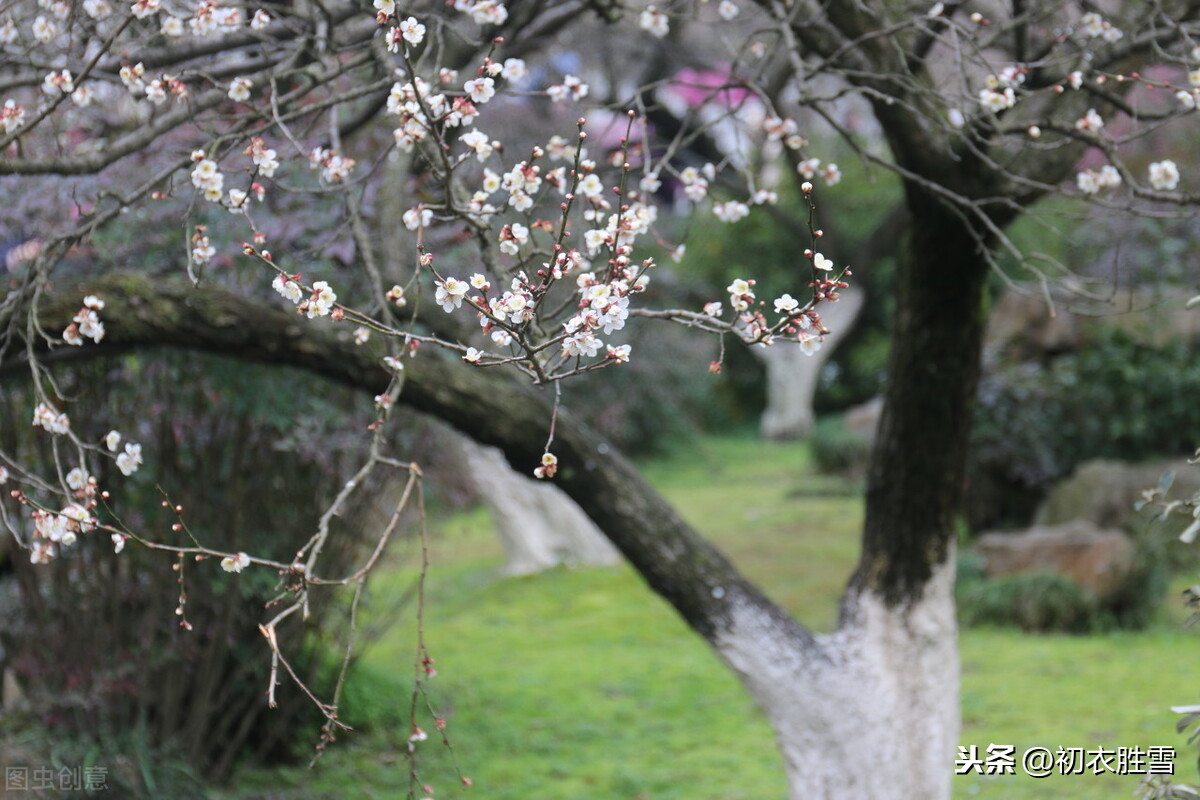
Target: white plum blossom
<point>1093,25</point>
<point>450,293</point>
<point>156,92</point>
<point>361,335</point>
<point>512,238</point>
<point>112,440</point>
<point>85,324</point>
<point>831,175</point>
<point>996,100</point>
<point>385,7</point>
<point>572,88</point>
<point>118,542</point>
<point>1011,76</point>
<point>396,295</point>
<point>239,89</point>
<point>288,287</point>
<point>412,31</point>
<point>265,159</point>
<point>786,304</point>
<point>334,168</point>
<point>741,294</point>
<point>810,343</point>
<point>97,8</point>
<point>129,460</point>
<point>51,420</point>
<point>591,186</point>
<point>478,141</point>
<point>260,20</point>
<point>1090,122</point>
<point>728,10</point>
<point>480,90</point>
<point>731,211</point>
<point>82,96</point>
<point>695,186</point>
<point>58,82</point>
<point>549,466</point>
<point>581,344</point>
<point>620,354</point>
<point>472,355</point>
<point>237,200</point>
<point>1093,181</point>
<point>821,262</point>
<point>320,302</point>
<point>173,28</point>
<point>208,179</point>
<point>44,29</point>
<point>235,563</point>
<point>145,8</point>
<point>514,69</point>
<point>655,22</point>
<point>131,76</point>
<point>1164,175</point>
<point>484,12</point>
<point>418,217</point>
<point>12,116</point>
<point>77,478</point>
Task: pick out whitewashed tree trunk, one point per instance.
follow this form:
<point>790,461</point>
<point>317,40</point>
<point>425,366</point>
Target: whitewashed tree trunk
<point>870,711</point>
<point>539,526</point>
<point>792,376</point>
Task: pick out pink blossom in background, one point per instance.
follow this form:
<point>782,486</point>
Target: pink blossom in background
<point>696,87</point>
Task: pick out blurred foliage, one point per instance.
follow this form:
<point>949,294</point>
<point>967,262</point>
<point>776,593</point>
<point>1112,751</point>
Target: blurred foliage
<point>838,449</point>
<point>93,638</point>
<point>1118,399</point>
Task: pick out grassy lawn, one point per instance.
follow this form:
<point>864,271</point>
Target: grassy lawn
<point>582,684</point>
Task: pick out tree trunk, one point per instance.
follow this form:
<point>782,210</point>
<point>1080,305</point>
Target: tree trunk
<point>538,525</point>
<point>792,376</point>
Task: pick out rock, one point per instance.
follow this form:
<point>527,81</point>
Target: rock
<point>863,419</point>
<point>1022,327</point>
<point>1105,491</point>
<point>1097,559</point>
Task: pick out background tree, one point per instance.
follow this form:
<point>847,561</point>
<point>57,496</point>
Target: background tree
<point>980,109</point>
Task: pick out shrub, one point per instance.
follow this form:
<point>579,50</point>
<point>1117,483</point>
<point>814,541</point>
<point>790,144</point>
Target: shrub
<point>93,637</point>
<point>838,449</point>
<point>1032,601</point>
<point>1033,425</point>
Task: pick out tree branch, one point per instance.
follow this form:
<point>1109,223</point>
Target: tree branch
<point>676,562</point>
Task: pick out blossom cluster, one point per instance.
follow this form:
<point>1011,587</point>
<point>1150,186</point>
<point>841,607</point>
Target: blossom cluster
<point>86,323</point>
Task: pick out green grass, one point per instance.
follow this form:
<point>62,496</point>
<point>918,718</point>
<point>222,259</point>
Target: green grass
<point>582,684</point>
